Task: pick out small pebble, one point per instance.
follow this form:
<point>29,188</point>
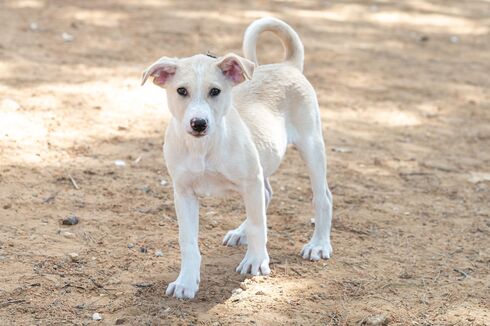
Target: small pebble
<point>145,210</point>
<point>70,220</point>
<point>259,293</point>
<point>379,320</point>
<point>237,291</point>
<point>7,206</point>
<point>259,278</point>
<point>143,250</point>
<point>120,163</point>
<point>163,183</point>
<point>146,189</point>
<point>96,316</point>
<point>67,234</point>
<point>130,245</point>
<point>342,149</point>
<point>454,39</point>
<point>33,26</point>
<point>312,221</point>
<point>158,253</point>
<point>67,37</point>
<point>120,321</point>
<point>74,256</point>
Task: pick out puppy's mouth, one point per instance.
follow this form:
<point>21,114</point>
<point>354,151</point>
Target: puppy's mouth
<point>198,134</point>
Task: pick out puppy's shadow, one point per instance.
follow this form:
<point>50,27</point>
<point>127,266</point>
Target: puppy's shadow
<point>218,281</point>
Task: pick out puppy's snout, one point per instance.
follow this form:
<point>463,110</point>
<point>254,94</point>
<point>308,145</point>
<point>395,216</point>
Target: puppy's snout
<point>198,124</point>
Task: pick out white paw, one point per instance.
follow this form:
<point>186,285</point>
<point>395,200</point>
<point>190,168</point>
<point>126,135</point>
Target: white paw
<point>235,238</point>
<point>254,264</point>
<point>182,290</point>
<point>315,250</point>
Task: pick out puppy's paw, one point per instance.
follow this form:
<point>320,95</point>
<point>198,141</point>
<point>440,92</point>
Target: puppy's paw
<point>235,238</point>
<point>181,290</point>
<point>254,264</point>
<point>316,250</point>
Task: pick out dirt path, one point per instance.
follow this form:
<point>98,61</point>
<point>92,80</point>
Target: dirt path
<point>404,91</point>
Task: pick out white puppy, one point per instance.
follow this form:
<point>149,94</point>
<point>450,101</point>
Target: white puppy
<point>231,123</point>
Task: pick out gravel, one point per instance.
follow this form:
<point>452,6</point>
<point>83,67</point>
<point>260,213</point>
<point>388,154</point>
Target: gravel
<point>70,220</point>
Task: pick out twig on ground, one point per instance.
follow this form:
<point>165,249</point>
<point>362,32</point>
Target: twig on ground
<point>96,283</point>
<point>463,273</point>
<point>11,302</point>
<point>73,182</point>
<point>413,173</point>
<point>143,285</point>
<point>296,271</point>
<point>74,286</point>
<point>435,279</point>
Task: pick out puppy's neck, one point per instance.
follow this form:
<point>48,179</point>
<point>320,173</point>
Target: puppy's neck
<point>199,149</point>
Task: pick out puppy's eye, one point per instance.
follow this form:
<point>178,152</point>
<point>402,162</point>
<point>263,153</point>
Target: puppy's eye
<point>182,91</point>
<point>214,92</point>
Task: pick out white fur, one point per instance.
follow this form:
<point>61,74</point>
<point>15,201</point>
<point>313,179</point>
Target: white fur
<point>249,127</point>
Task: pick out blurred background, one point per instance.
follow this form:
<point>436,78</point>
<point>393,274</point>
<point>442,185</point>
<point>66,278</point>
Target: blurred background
<point>404,94</point>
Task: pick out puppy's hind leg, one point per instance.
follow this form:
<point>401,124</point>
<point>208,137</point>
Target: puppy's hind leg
<point>237,237</point>
<point>312,151</point>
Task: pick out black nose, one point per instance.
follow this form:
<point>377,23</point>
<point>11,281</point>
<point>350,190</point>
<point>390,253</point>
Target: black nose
<point>199,125</point>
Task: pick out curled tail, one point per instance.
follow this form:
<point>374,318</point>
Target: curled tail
<point>289,38</point>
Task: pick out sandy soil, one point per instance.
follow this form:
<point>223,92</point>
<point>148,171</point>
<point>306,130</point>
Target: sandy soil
<point>404,91</point>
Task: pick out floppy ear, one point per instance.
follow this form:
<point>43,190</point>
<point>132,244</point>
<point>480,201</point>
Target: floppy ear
<point>236,68</point>
<point>161,71</point>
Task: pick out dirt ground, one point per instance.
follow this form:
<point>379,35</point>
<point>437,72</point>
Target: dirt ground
<point>405,100</point>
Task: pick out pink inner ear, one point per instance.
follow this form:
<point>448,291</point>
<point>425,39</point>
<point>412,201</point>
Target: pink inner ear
<point>233,71</point>
<point>162,74</point>
<point>161,78</point>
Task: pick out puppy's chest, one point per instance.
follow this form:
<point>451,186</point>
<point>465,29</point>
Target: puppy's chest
<point>211,184</point>
<point>206,179</point>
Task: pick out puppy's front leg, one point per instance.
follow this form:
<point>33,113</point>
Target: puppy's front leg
<point>256,261</point>
<point>187,209</point>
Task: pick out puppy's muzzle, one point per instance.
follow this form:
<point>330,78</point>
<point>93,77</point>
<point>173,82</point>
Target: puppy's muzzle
<point>199,126</point>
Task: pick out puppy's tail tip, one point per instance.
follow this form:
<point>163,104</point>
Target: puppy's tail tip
<point>289,38</point>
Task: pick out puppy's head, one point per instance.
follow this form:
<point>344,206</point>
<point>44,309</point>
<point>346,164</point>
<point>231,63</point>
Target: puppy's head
<point>199,88</point>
